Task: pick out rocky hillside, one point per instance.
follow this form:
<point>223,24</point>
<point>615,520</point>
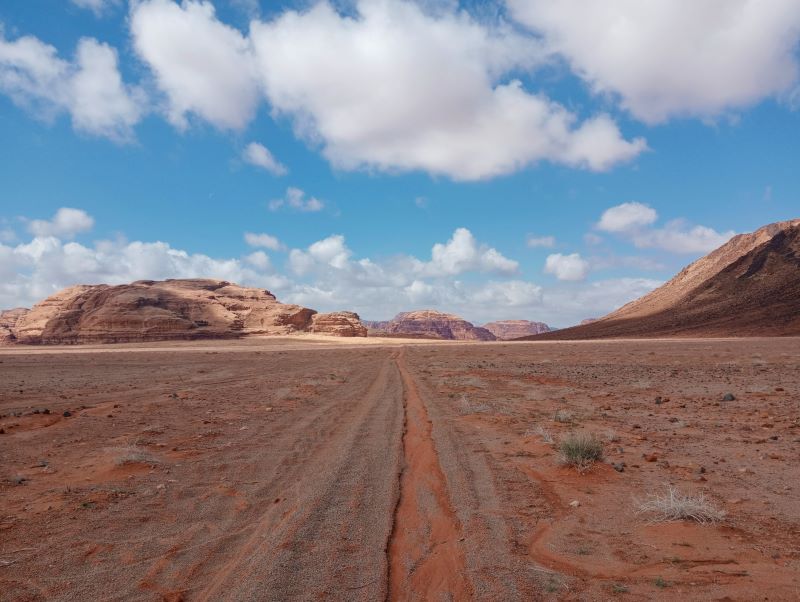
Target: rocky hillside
<point>428,323</point>
<point>149,310</point>
<point>750,286</point>
<point>505,330</point>
<point>8,322</point>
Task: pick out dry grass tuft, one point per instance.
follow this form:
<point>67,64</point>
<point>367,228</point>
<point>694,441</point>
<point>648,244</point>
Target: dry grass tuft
<point>133,455</point>
<point>542,433</point>
<point>580,450</point>
<point>673,505</point>
<point>563,416</point>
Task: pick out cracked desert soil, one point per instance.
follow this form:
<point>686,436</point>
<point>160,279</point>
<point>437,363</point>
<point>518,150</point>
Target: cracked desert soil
<point>302,470</point>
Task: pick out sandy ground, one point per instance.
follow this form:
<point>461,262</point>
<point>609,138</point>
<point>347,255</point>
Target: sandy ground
<point>318,470</point>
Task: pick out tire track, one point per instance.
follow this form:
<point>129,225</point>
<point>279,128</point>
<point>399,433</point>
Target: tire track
<point>331,537</point>
<point>426,560</point>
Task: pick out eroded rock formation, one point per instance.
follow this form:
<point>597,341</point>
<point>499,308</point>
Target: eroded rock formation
<point>149,310</point>
<point>429,323</point>
<point>339,323</point>
<point>8,322</point>
<point>505,330</point>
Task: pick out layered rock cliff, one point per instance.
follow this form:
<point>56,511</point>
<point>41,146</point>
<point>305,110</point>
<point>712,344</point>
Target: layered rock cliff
<point>429,323</point>
<point>505,330</point>
<point>149,310</point>
<point>340,324</point>
<point>8,322</point>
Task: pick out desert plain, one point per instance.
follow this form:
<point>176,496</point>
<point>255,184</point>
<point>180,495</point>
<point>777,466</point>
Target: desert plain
<point>389,469</point>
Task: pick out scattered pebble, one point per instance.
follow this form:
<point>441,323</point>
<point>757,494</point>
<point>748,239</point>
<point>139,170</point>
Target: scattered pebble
<point>574,503</point>
<point>67,414</point>
<point>619,466</point>
<point>728,397</point>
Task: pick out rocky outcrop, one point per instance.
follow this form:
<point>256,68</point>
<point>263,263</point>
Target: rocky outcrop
<point>340,324</point>
<point>376,325</point>
<point>428,323</point>
<point>750,286</point>
<point>8,322</point>
<point>505,330</point>
<point>149,310</point>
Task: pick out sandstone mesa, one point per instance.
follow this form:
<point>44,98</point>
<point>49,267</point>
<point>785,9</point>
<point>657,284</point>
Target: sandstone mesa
<point>506,330</point>
<point>148,310</point>
<point>428,323</point>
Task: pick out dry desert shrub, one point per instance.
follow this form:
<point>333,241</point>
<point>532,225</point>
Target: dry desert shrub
<point>580,450</point>
<point>542,433</point>
<point>133,455</point>
<point>563,416</point>
<point>673,505</point>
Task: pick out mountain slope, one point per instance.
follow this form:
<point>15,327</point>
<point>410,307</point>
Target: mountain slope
<point>750,286</point>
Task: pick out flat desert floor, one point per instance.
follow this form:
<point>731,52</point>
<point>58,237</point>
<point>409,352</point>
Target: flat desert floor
<point>304,470</point>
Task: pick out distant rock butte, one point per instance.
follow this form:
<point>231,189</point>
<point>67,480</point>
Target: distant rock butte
<point>428,323</point>
<point>149,310</point>
<point>750,286</point>
<point>506,330</point>
<point>339,323</point>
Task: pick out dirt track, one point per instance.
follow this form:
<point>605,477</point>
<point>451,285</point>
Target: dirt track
<point>276,471</point>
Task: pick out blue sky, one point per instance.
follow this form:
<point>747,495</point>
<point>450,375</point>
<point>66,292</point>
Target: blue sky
<point>493,160</point>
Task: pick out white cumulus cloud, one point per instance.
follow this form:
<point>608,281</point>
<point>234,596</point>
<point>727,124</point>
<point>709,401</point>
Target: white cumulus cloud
<point>201,65</point>
<point>260,156</point>
<point>626,216</point>
<point>634,222</point>
<point>266,241</point>
<point>667,58</point>
<point>677,237</point>
<point>66,223</point>
<point>298,200</point>
<point>89,88</point>
<point>567,267</point>
<point>462,253</point>
<point>409,90</point>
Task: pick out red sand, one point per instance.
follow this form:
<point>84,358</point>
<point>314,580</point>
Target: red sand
<point>274,470</point>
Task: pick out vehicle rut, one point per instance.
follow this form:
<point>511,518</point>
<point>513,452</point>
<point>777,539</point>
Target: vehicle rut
<point>426,560</point>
